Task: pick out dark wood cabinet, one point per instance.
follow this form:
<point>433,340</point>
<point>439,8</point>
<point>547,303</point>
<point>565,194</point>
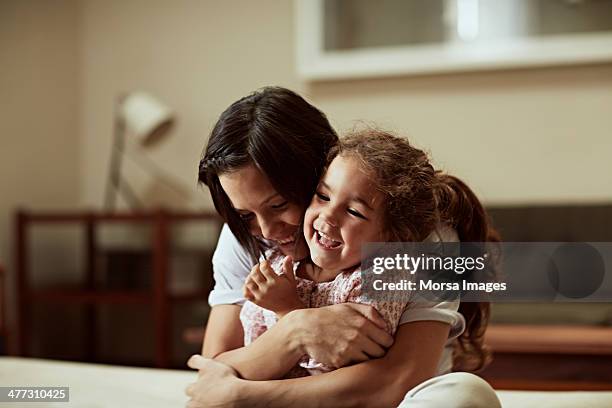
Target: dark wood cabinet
<point>93,291</point>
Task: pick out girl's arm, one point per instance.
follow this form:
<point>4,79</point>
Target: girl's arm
<point>383,382</point>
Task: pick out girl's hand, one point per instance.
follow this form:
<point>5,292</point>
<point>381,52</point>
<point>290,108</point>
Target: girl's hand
<point>271,291</point>
<point>217,385</point>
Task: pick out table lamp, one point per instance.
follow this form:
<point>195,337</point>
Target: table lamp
<point>147,120</point>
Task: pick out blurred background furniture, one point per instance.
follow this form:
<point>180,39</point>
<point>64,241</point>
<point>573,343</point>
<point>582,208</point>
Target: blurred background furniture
<point>551,346</point>
<point>96,289</point>
<point>543,357</point>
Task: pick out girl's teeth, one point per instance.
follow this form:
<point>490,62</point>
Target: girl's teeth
<point>327,241</point>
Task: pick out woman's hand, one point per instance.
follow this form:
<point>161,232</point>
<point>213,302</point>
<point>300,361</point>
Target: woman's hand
<point>217,384</point>
<point>341,334</point>
<point>274,292</point>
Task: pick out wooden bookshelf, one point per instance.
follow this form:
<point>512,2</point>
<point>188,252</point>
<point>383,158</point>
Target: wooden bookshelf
<point>157,296</point>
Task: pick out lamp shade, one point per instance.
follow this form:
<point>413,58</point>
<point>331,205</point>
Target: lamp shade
<point>147,118</point>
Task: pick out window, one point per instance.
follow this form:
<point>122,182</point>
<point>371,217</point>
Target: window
<point>360,38</point>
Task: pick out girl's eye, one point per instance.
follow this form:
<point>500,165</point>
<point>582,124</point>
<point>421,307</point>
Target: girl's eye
<point>356,213</point>
<point>322,196</point>
<point>281,205</point>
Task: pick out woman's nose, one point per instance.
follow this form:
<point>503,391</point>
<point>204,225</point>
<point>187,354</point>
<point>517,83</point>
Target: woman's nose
<point>268,228</point>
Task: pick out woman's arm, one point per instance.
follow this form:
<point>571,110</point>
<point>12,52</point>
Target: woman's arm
<point>383,382</point>
<point>223,330</point>
<point>224,336</point>
<point>223,341</point>
<point>334,335</point>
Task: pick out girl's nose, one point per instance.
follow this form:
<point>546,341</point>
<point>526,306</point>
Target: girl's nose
<point>330,217</point>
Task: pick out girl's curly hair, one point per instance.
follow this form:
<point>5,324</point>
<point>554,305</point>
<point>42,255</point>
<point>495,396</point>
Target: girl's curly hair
<point>418,199</point>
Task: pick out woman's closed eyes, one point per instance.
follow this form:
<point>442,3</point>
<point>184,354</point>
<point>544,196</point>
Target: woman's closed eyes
<point>280,205</point>
<point>246,217</point>
<point>249,216</point>
<point>322,196</point>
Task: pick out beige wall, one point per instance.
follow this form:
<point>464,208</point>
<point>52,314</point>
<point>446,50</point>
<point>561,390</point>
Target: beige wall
<point>521,136</point>
<point>197,56</point>
<point>38,115</point>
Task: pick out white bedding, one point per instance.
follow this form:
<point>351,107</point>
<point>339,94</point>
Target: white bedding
<point>103,386</point>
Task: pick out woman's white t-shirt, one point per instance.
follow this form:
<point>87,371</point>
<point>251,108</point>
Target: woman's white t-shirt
<point>232,264</point>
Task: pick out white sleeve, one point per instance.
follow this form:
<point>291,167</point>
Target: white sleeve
<point>231,266</point>
<point>446,312</point>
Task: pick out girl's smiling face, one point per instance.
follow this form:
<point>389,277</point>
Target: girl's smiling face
<point>346,212</point>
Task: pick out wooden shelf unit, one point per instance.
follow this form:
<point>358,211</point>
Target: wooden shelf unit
<point>158,296</point>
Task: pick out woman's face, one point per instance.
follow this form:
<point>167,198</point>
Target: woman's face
<point>268,214</point>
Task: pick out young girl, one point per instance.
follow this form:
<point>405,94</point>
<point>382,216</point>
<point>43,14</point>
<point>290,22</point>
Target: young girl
<point>376,188</point>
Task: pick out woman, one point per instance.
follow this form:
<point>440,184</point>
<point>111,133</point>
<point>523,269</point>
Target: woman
<point>262,164</point>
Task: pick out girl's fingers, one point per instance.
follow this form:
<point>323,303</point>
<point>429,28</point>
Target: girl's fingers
<point>248,294</point>
<point>257,276</point>
<point>250,286</point>
<point>267,271</point>
<point>288,268</point>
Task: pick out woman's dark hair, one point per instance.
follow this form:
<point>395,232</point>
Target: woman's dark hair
<point>417,200</point>
<point>280,133</point>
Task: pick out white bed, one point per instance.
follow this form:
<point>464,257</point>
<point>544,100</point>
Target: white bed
<point>104,386</point>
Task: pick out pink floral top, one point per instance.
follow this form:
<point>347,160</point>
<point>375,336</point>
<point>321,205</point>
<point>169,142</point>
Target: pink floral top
<point>346,287</point>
